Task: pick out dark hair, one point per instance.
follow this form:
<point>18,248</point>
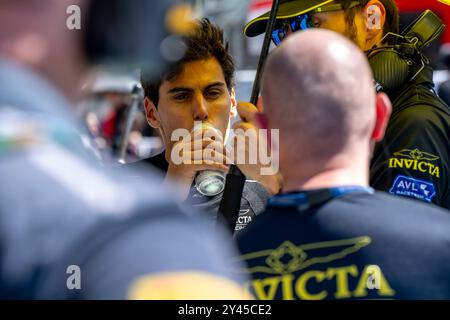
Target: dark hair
<point>392,17</point>
<point>205,41</point>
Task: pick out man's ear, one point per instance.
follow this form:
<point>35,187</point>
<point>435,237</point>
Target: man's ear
<point>375,18</point>
<point>151,114</point>
<point>260,104</point>
<point>261,120</point>
<point>383,113</point>
<point>233,110</point>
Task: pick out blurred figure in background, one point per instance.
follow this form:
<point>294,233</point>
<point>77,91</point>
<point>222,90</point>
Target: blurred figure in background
<point>68,230</point>
<point>106,110</point>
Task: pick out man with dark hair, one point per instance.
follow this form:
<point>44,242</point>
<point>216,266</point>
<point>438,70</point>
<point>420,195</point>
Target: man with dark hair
<point>198,88</point>
<point>413,159</point>
<point>329,235</point>
<point>205,41</point>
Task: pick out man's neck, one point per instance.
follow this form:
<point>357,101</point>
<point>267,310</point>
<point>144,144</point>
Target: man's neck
<point>327,179</point>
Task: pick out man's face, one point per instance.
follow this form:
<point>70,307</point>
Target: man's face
<point>198,93</point>
<point>336,21</point>
<point>355,30</point>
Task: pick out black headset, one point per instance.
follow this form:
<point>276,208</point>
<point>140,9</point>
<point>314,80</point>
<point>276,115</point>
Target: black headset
<point>397,64</point>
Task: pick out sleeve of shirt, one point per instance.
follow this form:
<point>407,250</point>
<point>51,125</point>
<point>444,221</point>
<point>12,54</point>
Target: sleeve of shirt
<point>413,160</point>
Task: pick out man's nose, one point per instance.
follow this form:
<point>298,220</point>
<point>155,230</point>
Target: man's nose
<point>200,109</point>
<point>289,32</point>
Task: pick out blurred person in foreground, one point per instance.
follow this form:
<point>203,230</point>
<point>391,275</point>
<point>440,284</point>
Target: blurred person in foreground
<point>198,90</point>
<point>67,229</point>
<point>328,235</point>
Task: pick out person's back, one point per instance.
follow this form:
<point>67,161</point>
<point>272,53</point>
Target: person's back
<point>415,145</point>
<point>359,246</point>
<point>329,235</point>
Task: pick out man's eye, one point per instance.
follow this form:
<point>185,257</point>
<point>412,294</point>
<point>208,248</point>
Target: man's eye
<point>213,94</point>
<point>181,97</point>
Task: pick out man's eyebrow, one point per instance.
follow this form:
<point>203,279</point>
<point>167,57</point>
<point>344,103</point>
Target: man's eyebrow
<point>215,84</point>
<point>210,86</point>
<point>177,90</point>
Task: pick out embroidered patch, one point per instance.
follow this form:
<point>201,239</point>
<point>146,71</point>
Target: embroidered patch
<point>415,188</point>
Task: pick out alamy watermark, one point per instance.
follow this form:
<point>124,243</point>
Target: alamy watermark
<point>374,18</point>
<point>374,278</point>
<point>73,281</point>
<point>73,21</point>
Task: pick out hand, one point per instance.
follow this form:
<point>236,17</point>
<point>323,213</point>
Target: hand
<point>249,124</point>
<point>196,152</point>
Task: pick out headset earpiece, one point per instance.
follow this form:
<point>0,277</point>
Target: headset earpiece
<point>397,63</point>
<point>390,69</point>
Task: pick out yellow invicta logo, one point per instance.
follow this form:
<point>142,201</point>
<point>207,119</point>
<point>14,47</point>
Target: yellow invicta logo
<point>415,160</point>
<point>287,272</point>
<point>447,2</point>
